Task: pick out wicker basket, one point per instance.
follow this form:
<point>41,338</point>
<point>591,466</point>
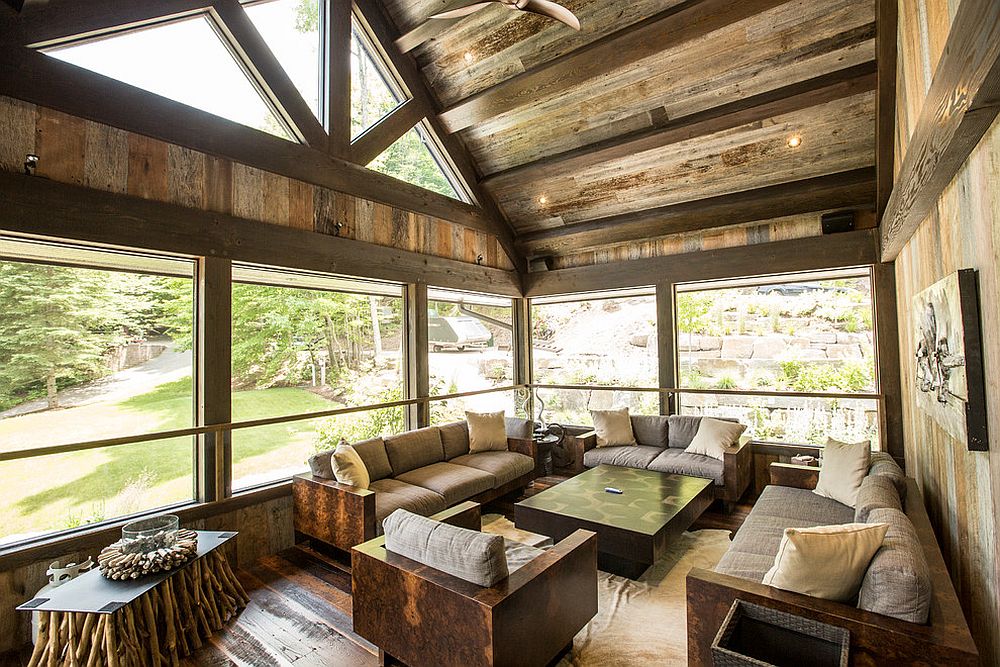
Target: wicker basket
<point>756,636</point>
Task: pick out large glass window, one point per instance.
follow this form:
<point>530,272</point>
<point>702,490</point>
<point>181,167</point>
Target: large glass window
<point>184,60</point>
<point>94,345</point>
<point>374,91</point>
<point>291,29</point>
<point>598,340</point>
<point>796,334</point>
<point>470,341</point>
<point>305,343</point>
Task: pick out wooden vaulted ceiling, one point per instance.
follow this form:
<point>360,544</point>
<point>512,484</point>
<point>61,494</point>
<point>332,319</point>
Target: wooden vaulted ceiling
<point>659,116</point>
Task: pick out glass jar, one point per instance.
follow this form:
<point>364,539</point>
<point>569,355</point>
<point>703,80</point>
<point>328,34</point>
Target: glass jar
<point>145,535</point>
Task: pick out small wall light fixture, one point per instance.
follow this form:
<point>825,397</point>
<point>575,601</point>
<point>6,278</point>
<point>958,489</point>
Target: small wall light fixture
<point>337,226</point>
<point>543,200</point>
<point>479,260</point>
<point>794,141</point>
<point>469,57</point>
<point>30,164</point>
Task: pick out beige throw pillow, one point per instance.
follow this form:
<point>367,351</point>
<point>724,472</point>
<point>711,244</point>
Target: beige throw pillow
<point>348,467</point>
<point>826,562</point>
<point>844,468</point>
<point>714,436</point>
<point>613,427</point>
<point>487,432</point>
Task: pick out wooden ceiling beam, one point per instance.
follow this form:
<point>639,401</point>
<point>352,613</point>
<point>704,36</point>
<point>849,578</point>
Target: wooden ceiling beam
<point>857,248</point>
<point>386,33</point>
<point>961,105</point>
<point>337,50</point>
<point>266,72</point>
<point>886,26</point>
<point>373,141</point>
<point>34,77</point>
<point>812,92</point>
<point>684,22</point>
<point>850,189</point>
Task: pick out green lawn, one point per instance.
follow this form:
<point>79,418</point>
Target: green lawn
<point>59,491</point>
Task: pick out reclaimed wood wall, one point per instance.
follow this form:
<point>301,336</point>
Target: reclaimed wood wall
<point>961,488</point>
<point>265,528</point>
<point>81,152</point>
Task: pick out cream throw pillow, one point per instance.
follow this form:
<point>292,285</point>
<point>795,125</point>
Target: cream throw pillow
<point>826,562</point>
<point>348,467</point>
<point>844,468</point>
<point>714,436</point>
<point>614,428</point>
<point>487,432</point>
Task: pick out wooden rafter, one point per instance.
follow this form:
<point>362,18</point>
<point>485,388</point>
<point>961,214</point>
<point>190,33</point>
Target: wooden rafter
<point>370,144</point>
<point>886,22</point>
<point>338,65</point>
<point>851,189</point>
<point>386,33</point>
<point>39,79</point>
<point>270,77</point>
<point>819,90</point>
<point>960,106</point>
<point>682,23</point>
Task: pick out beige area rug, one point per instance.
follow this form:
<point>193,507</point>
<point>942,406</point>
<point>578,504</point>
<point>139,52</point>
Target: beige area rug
<point>642,622</point>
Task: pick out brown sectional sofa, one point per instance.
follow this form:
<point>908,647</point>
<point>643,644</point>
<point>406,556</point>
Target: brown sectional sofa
<point>423,471</point>
<point>907,611</point>
<point>662,440</point>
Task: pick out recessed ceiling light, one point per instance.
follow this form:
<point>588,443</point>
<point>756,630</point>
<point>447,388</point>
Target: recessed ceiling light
<point>469,57</point>
<point>794,141</point>
<point>543,200</point>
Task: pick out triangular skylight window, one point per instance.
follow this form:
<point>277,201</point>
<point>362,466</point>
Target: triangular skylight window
<point>374,92</point>
<point>182,60</point>
<point>415,159</point>
<point>291,30</point>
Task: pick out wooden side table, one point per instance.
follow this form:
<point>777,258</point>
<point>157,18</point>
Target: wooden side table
<point>154,620</point>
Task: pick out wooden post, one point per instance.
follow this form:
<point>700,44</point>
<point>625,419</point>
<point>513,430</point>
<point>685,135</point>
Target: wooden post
<point>418,379</point>
<point>887,358</point>
<point>213,452</point>
<point>523,351</point>
<point>338,16</point>
<point>665,345</point>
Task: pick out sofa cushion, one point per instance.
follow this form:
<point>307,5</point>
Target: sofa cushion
<point>455,482</point>
<point>613,427</point>
<point>876,491</point>
<point>745,565</point>
<point>519,428</point>
<point>627,456</point>
<point>801,507</point>
<point>651,430</point>
<point>682,429</point>
<point>391,495</point>
<point>454,439</point>
<point>321,464</point>
<point>414,449</point>
<point>679,462</point>
<point>372,452</point>
<point>467,554</point>
<point>845,466</point>
<point>487,431</point>
<point>348,467</point>
<point>883,464</point>
<point>898,581</point>
<point>505,466</point>
<point>714,436</point>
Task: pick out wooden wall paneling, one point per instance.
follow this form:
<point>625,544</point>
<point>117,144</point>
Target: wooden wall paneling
<point>147,168</point>
<point>300,206</point>
<point>61,139</point>
<point>274,197</point>
<point>218,185</point>
<point>324,211</point>
<point>43,207</point>
<point>105,160</point>
<point>248,187</point>
<point>444,239</point>
<point>185,177</point>
<point>17,133</point>
<point>365,220</point>
<point>962,103</point>
<point>345,214</point>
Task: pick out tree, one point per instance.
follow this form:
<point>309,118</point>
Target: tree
<point>56,326</point>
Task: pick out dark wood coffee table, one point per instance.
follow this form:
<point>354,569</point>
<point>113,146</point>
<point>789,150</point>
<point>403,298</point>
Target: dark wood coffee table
<point>633,529</point>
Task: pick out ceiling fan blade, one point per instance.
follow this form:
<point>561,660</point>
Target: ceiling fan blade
<point>553,11</point>
<point>462,11</point>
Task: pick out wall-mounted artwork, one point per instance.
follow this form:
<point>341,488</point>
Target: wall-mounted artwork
<point>950,381</point>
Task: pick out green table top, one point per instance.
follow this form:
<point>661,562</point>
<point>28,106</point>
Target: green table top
<point>649,502</point>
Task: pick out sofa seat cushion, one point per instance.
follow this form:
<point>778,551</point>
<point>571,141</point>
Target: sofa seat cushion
<point>391,495</point>
<point>455,482</point>
<point>504,466</point>
<point>679,462</point>
<point>627,456</point>
<point>756,543</point>
<point>414,449</point>
<point>519,555</point>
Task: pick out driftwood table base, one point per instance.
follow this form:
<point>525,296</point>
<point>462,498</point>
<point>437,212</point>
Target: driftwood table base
<point>163,625</point>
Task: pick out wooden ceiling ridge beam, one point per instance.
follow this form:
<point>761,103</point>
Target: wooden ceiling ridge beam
<point>839,84</point>
<point>961,105</point>
<point>383,134</point>
<point>385,31</point>
<point>848,189</point>
<point>36,78</point>
<point>264,69</point>
<point>679,24</point>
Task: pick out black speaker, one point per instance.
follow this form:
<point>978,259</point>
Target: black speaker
<point>837,222</point>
